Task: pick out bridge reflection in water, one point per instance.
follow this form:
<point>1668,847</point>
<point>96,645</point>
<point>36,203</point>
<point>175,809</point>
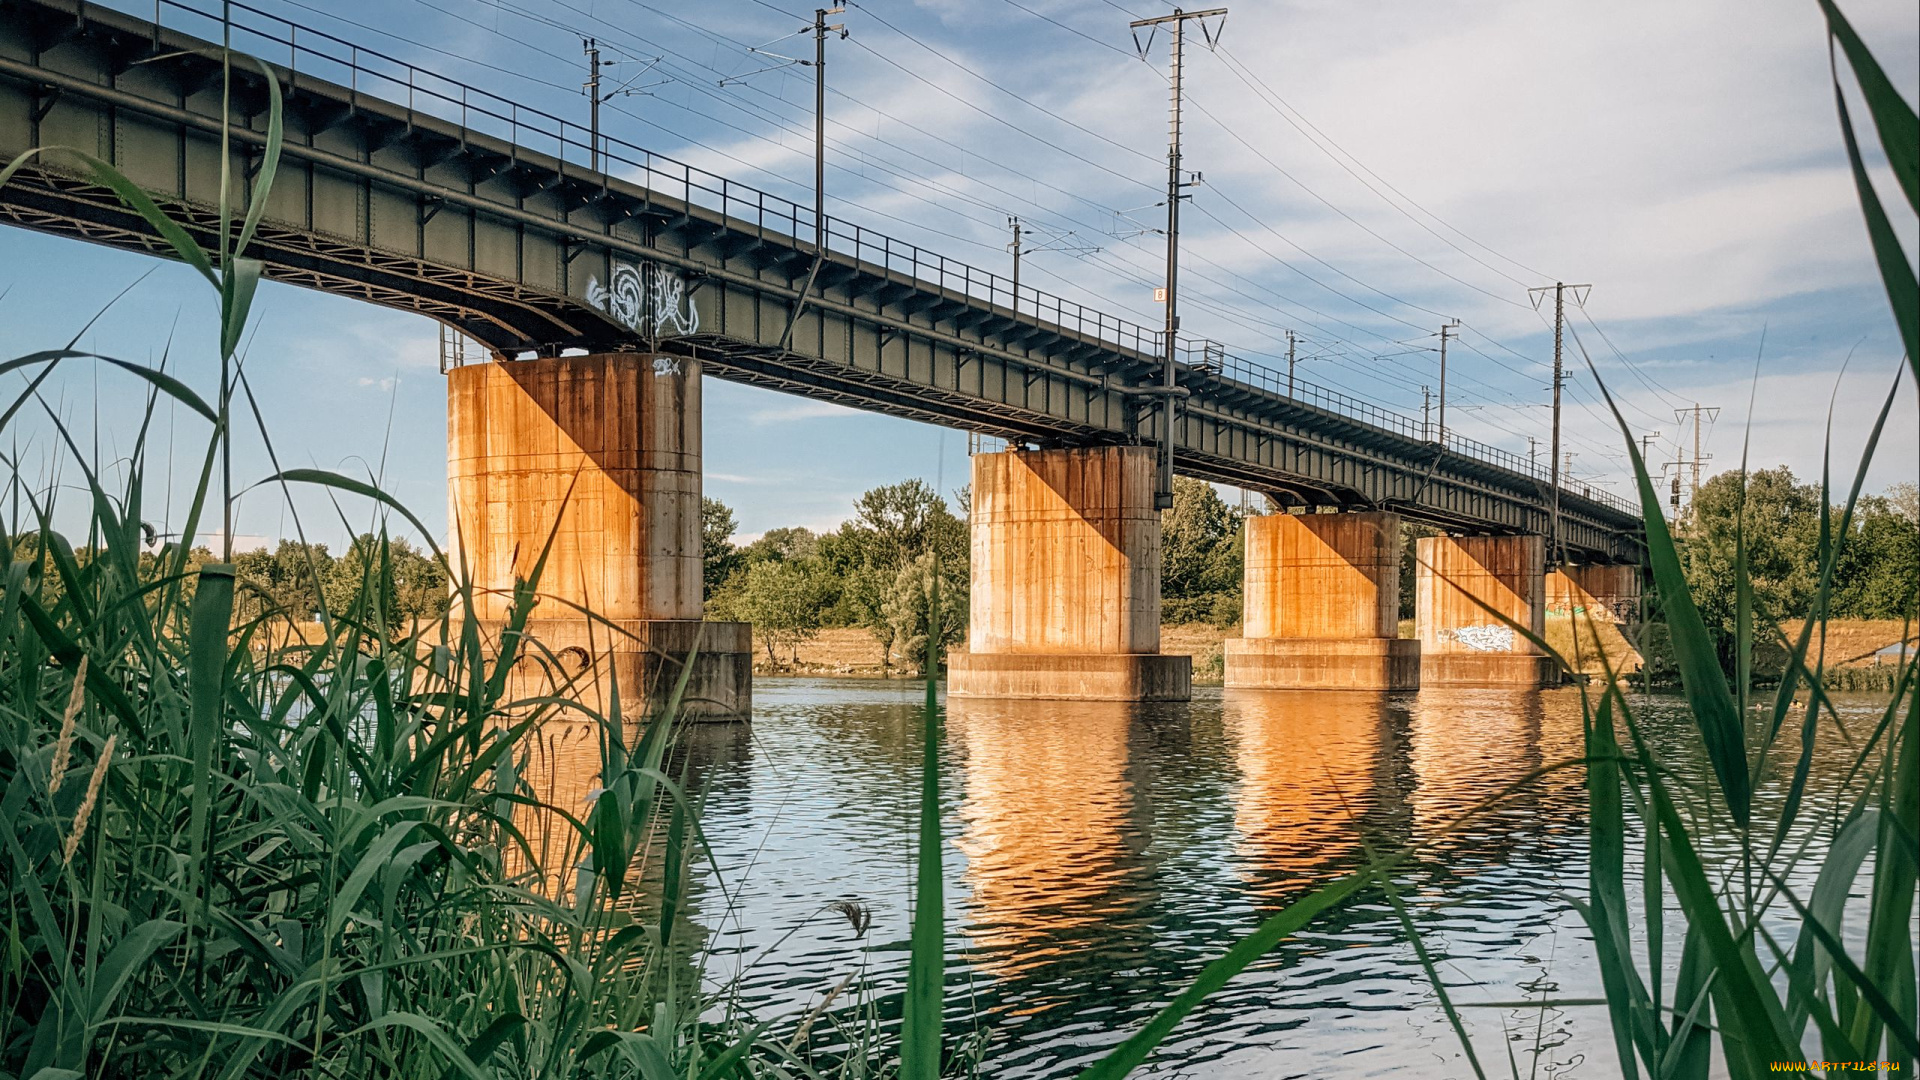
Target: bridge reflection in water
<point>1102,853</point>
<point>1319,772</point>
<point>1052,827</point>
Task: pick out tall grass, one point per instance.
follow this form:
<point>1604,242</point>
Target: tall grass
<point>240,849</point>
<point>1737,986</point>
<point>233,853</point>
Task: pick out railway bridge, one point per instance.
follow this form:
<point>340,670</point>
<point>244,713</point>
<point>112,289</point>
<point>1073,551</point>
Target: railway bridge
<point>606,282</point>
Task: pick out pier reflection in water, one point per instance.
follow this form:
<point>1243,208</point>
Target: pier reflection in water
<point>1101,854</point>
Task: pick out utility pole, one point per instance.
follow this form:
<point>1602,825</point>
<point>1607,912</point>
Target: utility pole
<point>1426,413</point>
<point>1289,363</point>
<point>1710,413</point>
<point>1029,241</point>
<point>1533,453</point>
<point>592,88</point>
<point>595,98</point>
<point>820,28</point>
<point>1176,22</point>
<point>1014,247</point>
<point>820,31</point>
<point>1559,377</point>
<point>1445,329</point>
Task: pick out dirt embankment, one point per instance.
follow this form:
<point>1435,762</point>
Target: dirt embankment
<point>856,653</point>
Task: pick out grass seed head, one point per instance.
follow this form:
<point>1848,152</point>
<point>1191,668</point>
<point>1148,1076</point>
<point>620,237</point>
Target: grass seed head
<point>63,746</point>
<point>93,794</point>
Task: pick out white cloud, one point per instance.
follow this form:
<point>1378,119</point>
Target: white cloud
<point>798,409</point>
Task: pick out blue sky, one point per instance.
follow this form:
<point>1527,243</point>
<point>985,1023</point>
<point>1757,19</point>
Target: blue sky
<point>1370,170</point>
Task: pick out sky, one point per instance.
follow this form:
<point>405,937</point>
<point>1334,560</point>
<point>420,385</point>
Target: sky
<point>1367,172</point>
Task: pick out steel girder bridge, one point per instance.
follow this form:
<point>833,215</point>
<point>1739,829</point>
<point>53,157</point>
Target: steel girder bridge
<point>403,188</point>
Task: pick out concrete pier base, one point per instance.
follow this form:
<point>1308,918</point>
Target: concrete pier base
<point>1322,606</point>
<point>592,464</point>
<point>1298,664</point>
<point>1461,644</point>
<point>640,658</point>
<point>1065,598</point>
<point>1079,676</point>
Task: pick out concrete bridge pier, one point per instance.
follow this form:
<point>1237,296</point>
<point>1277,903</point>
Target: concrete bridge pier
<point>1322,606</point>
<point>1460,643</point>
<point>601,452</point>
<point>1606,592</point>
<point>1066,580</point>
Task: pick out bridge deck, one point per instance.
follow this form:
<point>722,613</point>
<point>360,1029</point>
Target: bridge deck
<point>403,188</point>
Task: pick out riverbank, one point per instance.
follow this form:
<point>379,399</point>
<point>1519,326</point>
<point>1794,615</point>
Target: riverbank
<point>851,652</point>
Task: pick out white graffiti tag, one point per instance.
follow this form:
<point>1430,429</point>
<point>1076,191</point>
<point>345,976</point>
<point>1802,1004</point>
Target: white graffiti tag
<point>671,304</point>
<point>627,303</point>
<point>664,366</point>
<point>622,301</point>
<point>1484,638</point>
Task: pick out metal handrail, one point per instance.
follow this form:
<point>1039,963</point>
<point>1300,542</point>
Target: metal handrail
<point>569,144</point>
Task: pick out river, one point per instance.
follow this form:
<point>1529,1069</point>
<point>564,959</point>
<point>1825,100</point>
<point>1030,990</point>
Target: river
<point>1099,854</point>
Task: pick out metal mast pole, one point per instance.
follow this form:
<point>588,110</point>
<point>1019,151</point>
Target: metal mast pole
<point>1445,329</point>
<point>1289,363</point>
<point>820,130</point>
<point>1559,376</point>
<point>1015,247</point>
<point>593,111</point>
<point>1694,495</point>
<point>821,28</point>
<point>1559,313</point>
<point>1163,495</point>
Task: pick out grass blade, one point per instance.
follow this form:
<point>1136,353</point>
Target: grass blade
<point>927,963</point>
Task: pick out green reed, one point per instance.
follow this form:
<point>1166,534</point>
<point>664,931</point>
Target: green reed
<point>236,853</point>
<point>1735,980</point>
<point>239,846</point>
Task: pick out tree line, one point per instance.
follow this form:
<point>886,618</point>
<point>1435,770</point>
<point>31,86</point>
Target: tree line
<point>876,572</point>
<point>1785,527</point>
<point>873,572</point>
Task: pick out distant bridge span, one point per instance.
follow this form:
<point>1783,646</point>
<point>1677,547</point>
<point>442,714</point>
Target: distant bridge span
<point>406,189</point>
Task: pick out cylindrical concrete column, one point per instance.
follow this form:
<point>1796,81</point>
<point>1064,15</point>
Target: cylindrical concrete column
<point>607,439</point>
<point>1326,576</point>
<point>1066,552</point>
<point>1602,592</point>
<point>594,460</point>
<point>1322,605</point>
<point>1461,643</point>
<point>1066,579</point>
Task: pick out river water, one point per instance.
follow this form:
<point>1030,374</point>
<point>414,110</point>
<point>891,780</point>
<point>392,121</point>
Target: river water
<point>1100,854</point>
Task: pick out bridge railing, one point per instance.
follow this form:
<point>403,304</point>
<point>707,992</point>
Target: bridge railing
<point>303,51</point>
<point>316,54</point>
<point>1208,356</point>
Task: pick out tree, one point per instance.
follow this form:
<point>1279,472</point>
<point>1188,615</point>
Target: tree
<point>897,522</point>
<point>1201,556</point>
<point>780,544</point>
<point>385,581</point>
<point>719,557</point>
<point>286,580</point>
<point>1878,573</point>
<point>909,612</point>
<point>1779,519</point>
<point>1410,534</point>
<point>893,526</point>
<point>784,600</point>
<point>1904,499</point>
